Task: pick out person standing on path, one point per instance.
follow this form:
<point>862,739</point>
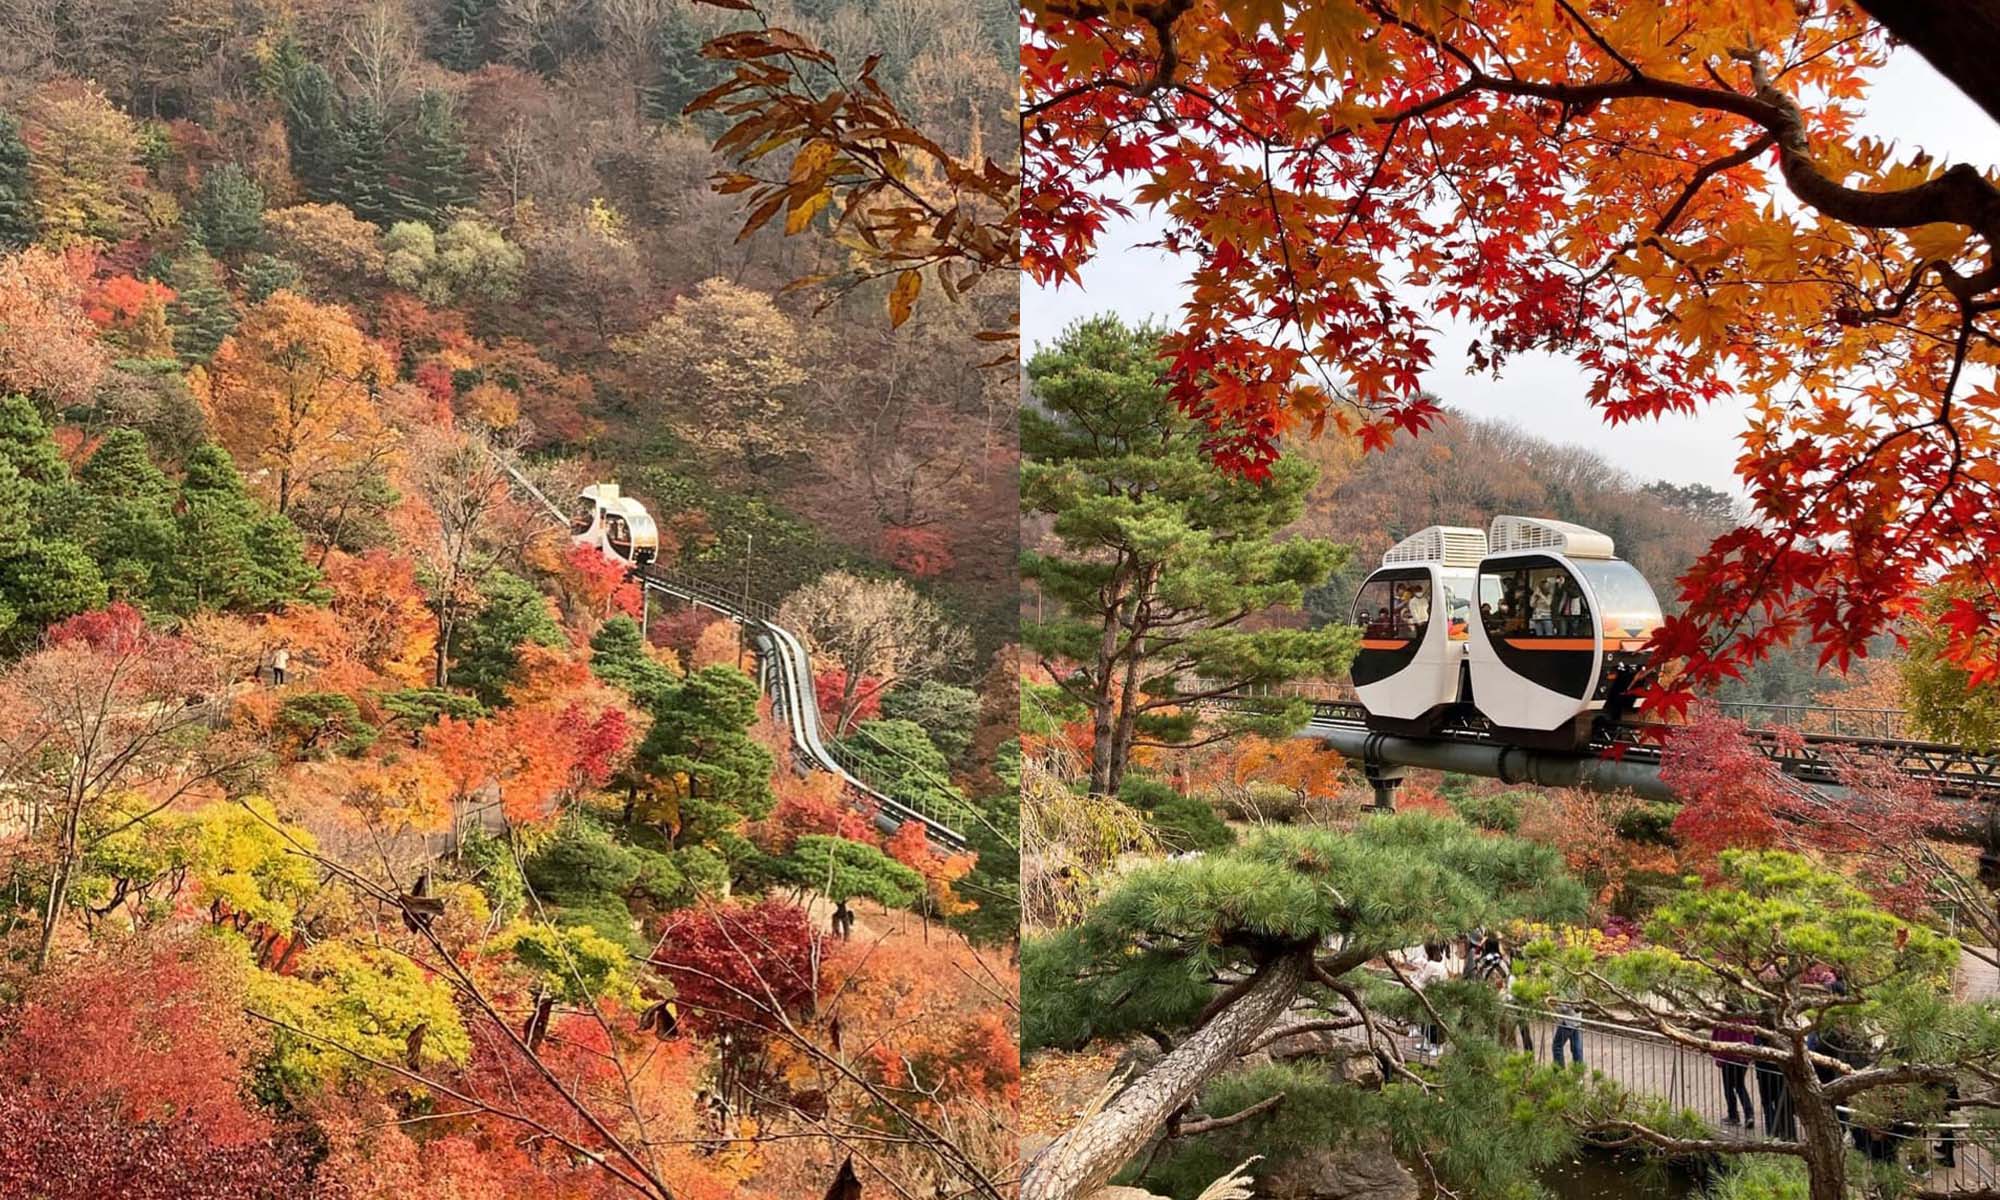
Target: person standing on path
<point>1569,1032</point>
<point>1426,971</point>
<point>281,659</point>
<point>1735,1073</point>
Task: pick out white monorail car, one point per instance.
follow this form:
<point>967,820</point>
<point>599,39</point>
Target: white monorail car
<point>1416,614</point>
<point>1562,631</point>
<point>617,525</point>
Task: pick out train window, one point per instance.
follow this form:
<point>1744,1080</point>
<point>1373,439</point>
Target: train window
<point>617,532</point>
<point>1629,608</point>
<point>583,516</point>
<point>1533,601</point>
<point>1393,608</point>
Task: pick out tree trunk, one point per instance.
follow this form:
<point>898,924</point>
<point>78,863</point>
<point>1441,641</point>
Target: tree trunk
<point>59,880</point>
<point>1082,1159</point>
<point>1127,724</point>
<point>1101,753</point>
<point>1960,38</point>
<point>1820,1131</point>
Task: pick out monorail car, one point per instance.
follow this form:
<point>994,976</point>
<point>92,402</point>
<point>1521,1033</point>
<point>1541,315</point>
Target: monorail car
<point>1561,635</point>
<point>1416,615</point>
<point>617,525</point>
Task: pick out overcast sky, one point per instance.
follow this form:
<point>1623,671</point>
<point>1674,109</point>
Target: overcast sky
<point>1910,104</point>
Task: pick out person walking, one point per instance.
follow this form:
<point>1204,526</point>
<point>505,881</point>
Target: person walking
<point>1569,1032</point>
<point>1735,1072</point>
<point>1774,1098</point>
<point>281,659</point>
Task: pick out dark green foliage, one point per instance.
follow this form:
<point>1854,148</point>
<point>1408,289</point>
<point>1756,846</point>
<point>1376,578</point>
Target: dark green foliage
<point>414,708</point>
<point>705,873</point>
<point>701,730</point>
<point>899,758</point>
<point>618,657</point>
<point>1499,812</point>
<point>945,712</point>
<point>201,313</point>
<point>659,880</point>
<point>842,870</point>
<point>584,866</point>
<point>1145,957</point>
<point>489,862</point>
<point>1161,550</point>
<point>315,131</point>
<point>362,181</point>
<point>1183,822</point>
<point>1648,821</point>
<point>431,177</point>
<point>228,214</point>
<point>459,39</point>
<point>17,202</point>
<point>44,575</point>
<point>680,73</point>
<point>26,445</point>
<point>234,553</point>
<point>488,647</point>
<point>262,275</point>
<point>584,875</point>
<point>995,881</point>
<point>126,520</point>
<point>317,722</point>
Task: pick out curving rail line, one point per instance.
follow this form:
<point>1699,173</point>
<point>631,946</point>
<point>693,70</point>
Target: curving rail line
<point>784,670</point>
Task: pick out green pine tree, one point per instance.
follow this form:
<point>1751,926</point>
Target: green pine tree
<point>26,446</point>
<point>233,554</point>
<point>680,72</point>
<point>361,180</point>
<point>228,214</point>
<point>201,313</point>
<point>431,177</point>
<point>130,530</point>
<point>707,773</point>
<point>488,649</point>
<point>17,201</point>
<point>1296,914</point>
<point>843,870</point>
<point>618,657</point>
<point>898,757</point>
<point>315,131</point>
<point>1159,558</point>
<point>459,41</point>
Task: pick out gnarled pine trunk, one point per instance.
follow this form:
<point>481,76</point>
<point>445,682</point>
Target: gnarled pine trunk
<point>1082,1159</point>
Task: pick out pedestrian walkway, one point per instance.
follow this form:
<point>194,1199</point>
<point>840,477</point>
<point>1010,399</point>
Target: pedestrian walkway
<point>1643,1062</point>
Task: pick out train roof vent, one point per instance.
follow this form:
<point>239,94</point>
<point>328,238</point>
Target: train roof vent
<point>1515,534</point>
<point>1451,545</point>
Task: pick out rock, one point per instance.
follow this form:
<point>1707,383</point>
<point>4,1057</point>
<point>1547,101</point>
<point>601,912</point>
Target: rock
<point>1361,1170</point>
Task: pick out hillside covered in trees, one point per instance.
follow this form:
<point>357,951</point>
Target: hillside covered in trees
<point>360,835</point>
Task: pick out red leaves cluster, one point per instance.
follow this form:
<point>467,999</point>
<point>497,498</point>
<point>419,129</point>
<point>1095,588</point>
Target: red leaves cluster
<point>830,689</point>
<point>735,966</point>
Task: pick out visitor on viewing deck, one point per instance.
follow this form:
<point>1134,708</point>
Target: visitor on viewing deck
<point>1569,1032</point>
<point>1424,972</point>
<point>1493,969</point>
<point>1735,1072</point>
<point>1774,1099</point>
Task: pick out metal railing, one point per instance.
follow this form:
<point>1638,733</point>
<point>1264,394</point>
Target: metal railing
<point>1644,1062</point>
<point>785,670</point>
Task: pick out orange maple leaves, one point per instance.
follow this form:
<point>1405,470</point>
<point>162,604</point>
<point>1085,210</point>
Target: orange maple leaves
<point>1671,197</point>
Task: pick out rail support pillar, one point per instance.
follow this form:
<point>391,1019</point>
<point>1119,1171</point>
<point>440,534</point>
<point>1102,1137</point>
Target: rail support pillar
<point>1383,777</point>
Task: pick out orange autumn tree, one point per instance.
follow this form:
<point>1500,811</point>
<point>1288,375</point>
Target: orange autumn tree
<point>292,393</point>
<point>1672,196</point>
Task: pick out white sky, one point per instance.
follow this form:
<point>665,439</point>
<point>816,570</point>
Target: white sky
<point>1909,103</point>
